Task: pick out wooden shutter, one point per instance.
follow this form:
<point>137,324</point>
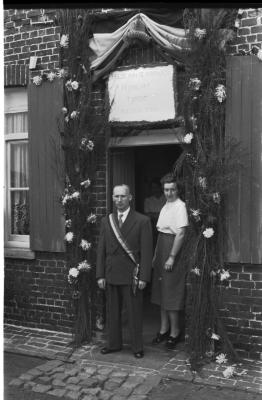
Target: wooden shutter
<point>46,161</point>
<point>244,123</point>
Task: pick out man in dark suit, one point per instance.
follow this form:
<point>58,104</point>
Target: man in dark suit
<point>114,270</point>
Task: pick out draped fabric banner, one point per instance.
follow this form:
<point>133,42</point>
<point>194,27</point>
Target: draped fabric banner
<point>104,44</point>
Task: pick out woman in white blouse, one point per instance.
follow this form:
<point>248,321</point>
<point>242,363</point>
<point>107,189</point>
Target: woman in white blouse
<point>169,279</point>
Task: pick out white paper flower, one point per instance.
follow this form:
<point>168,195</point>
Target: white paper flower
<point>64,110</point>
<point>51,76</point>
<point>37,80</point>
<point>74,114</point>
<point>193,120</point>
<point>259,54</point>
<point>200,33</point>
<point>220,93</point>
<point>68,85</point>
<point>196,271</point>
<point>99,323</point>
<point>229,372</point>
<point>202,182</point>
<point>86,183</point>
<point>216,197</point>
<point>87,144</point>
<point>215,336</point>
<point>75,195</point>
<point>90,145</point>
<point>62,73</point>
<point>91,218</point>
<point>85,244</point>
<point>64,40</point>
<point>84,266</point>
<point>224,275</point>
<point>69,236</point>
<point>73,272</point>
<point>67,118</point>
<point>65,199</point>
<point>75,85</point>
<point>68,223</point>
<point>208,232</point>
<point>194,83</point>
<point>221,358</point>
<point>188,137</point>
<point>195,214</point>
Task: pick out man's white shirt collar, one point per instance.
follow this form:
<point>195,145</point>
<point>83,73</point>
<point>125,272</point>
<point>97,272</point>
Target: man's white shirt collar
<point>124,214</point>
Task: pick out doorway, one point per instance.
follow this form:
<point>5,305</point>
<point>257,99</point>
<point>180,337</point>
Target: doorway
<point>137,166</point>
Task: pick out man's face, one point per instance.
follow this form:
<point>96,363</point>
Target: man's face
<point>121,197</point>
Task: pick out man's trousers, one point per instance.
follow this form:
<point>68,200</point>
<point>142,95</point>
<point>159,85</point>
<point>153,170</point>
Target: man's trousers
<point>117,295</point>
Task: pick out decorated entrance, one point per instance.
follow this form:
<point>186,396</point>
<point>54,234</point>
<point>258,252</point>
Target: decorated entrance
<point>196,119</point>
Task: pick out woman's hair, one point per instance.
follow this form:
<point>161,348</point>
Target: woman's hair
<point>171,178</point>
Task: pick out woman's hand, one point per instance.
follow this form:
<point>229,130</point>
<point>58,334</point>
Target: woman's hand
<point>169,263</point>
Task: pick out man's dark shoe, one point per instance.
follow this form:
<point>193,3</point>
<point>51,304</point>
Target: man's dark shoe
<point>139,354</point>
<point>106,350</point>
<point>160,337</point>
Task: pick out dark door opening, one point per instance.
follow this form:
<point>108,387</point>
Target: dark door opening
<point>151,162</point>
<point>137,166</point>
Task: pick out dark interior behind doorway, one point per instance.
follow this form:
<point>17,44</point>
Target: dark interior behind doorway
<point>152,162</point>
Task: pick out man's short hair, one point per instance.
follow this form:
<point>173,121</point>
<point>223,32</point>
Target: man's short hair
<point>124,185</point>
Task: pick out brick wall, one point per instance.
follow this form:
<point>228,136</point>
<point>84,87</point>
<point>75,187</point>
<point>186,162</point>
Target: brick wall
<point>249,31</point>
<point>37,294</point>
<point>36,291</point>
<point>242,308</point>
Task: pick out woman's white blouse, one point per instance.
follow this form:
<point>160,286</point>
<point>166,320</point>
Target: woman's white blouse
<point>172,217</point>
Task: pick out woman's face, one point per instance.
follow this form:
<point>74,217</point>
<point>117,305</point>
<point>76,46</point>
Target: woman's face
<point>170,191</point>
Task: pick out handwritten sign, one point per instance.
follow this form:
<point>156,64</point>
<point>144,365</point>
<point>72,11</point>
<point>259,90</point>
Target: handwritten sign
<point>143,94</point>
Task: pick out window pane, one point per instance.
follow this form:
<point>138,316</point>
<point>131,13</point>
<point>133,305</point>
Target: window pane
<point>20,212</point>
<point>19,165</point>
<point>16,122</point>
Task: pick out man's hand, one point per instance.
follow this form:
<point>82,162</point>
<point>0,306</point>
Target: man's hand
<point>101,283</point>
<point>141,285</point>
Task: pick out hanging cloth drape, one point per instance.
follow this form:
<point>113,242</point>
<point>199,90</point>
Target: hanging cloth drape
<point>104,44</point>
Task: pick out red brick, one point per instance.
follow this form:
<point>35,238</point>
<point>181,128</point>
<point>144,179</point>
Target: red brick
<point>256,325</point>
<point>251,38</point>
<point>256,29</point>
<point>243,31</point>
<point>243,284</point>
<point>248,22</point>
<point>244,47</point>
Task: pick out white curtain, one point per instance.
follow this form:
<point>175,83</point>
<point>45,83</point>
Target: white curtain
<point>18,174</point>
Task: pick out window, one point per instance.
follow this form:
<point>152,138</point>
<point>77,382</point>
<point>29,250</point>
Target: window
<point>17,221</point>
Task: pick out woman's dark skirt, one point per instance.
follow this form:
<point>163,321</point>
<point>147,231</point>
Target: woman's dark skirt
<point>168,287</point>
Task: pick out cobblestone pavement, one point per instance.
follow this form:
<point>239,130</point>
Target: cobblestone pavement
<point>85,374</point>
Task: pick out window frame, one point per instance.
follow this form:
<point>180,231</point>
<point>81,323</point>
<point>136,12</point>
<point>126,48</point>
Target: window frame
<point>14,241</point>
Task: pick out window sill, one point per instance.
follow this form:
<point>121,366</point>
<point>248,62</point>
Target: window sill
<point>14,252</point>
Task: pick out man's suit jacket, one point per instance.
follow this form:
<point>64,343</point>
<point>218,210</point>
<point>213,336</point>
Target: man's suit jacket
<point>113,263</point>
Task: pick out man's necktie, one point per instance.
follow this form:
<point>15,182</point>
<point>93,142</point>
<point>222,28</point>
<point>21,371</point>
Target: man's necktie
<point>120,221</point>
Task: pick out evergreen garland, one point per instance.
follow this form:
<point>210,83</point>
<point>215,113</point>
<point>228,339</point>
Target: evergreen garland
<point>81,132</point>
<point>209,164</point>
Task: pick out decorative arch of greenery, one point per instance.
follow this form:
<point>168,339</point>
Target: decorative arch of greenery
<point>208,163</point>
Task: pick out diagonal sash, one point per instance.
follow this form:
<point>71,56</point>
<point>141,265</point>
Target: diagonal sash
<point>124,245</point>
